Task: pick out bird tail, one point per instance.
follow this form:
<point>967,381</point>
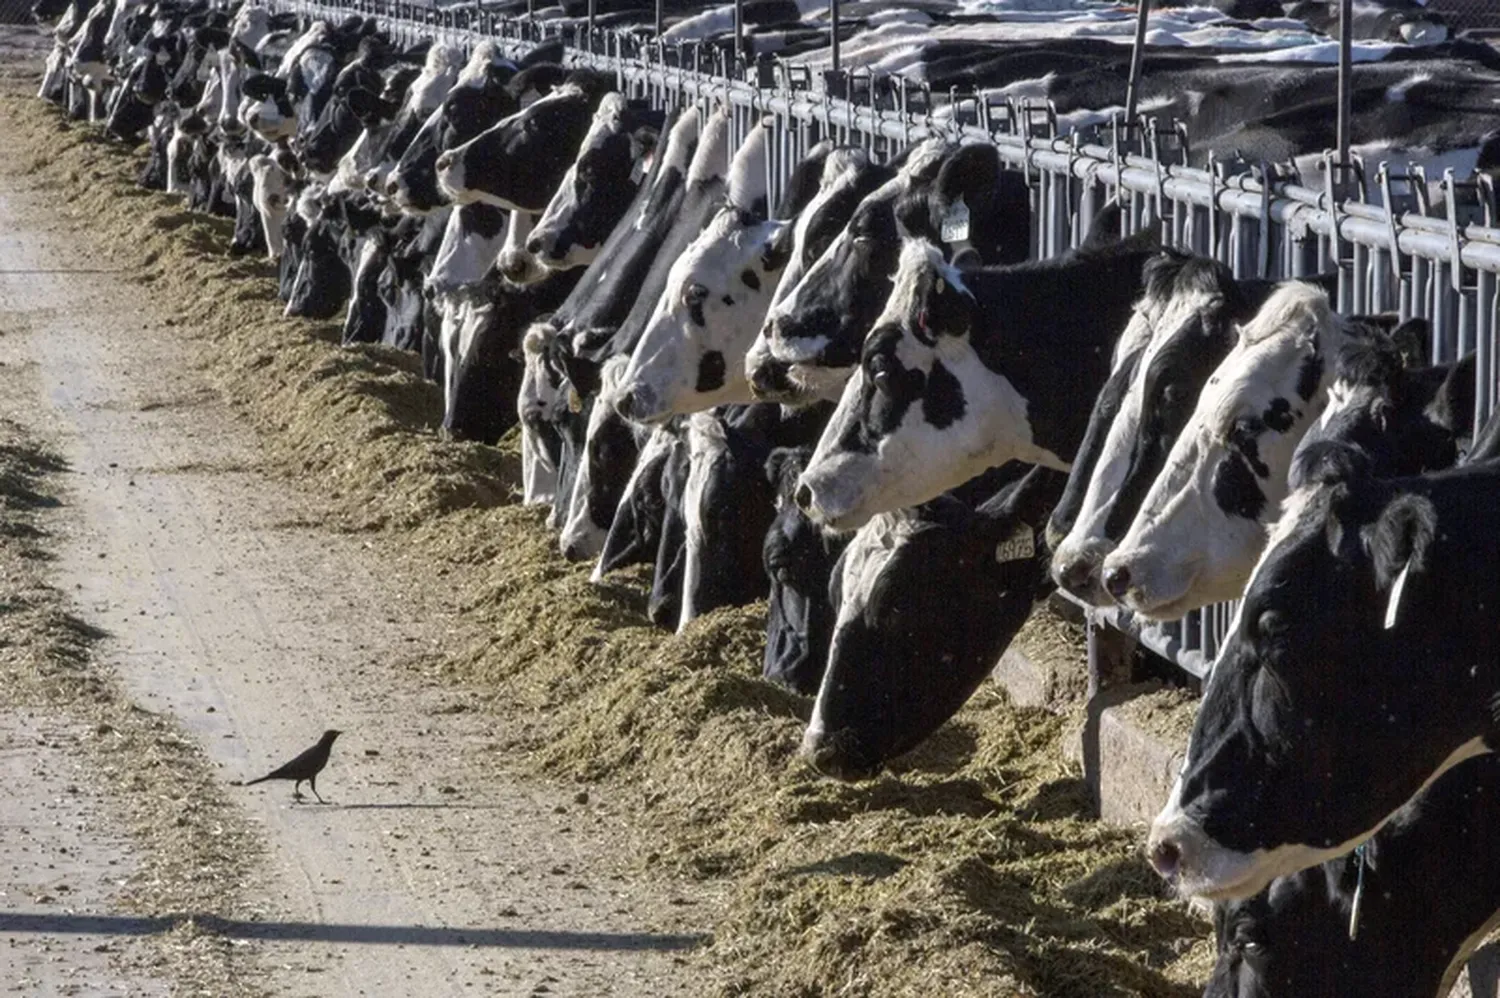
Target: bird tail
<point>251,783</point>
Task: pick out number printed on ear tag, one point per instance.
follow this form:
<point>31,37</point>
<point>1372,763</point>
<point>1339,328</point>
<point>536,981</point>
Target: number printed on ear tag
<point>955,227</point>
<point>1021,544</point>
<point>1397,588</point>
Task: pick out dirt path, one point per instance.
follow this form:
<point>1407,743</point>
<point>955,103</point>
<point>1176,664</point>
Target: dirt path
<point>426,874</point>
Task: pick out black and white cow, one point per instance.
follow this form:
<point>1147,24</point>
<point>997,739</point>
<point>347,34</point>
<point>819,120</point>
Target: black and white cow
<point>599,187</point>
<point>1363,664</point>
<point>1296,939</point>
<point>368,162</point>
<point>967,369</point>
<point>518,162</point>
<point>1394,419</point>
<point>691,354</point>
<point>478,98</point>
<point>1202,524</point>
<point>1185,322</point>
<point>899,668</point>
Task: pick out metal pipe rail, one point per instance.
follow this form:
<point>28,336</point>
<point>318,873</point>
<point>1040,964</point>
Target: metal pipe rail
<point>1397,247</point>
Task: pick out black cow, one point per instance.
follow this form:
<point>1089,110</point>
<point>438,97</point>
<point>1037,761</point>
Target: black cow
<point>1419,898</point>
<point>799,558</point>
<point>1362,665</point>
<point>1395,419</point>
<point>900,665</point>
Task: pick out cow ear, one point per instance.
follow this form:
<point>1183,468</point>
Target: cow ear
<point>213,38</point>
<point>246,55</point>
<point>1411,339</point>
<point>1399,543</point>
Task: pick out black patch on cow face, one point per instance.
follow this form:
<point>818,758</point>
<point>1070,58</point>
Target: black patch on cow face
<point>710,372</point>
<point>727,299</point>
<point>695,309</point>
<point>1278,416</point>
<point>888,391</point>
<point>1236,489</point>
<point>1244,438</point>
<point>943,402</point>
<point>1309,376</point>
<point>750,279</point>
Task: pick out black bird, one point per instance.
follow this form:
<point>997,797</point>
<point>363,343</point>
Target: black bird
<point>306,766</point>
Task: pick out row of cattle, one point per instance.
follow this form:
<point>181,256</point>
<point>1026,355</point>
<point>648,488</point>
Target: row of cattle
<point>863,404</point>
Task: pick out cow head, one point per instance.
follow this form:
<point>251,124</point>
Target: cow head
<point>898,668</point>
<point>476,99</point>
<point>1187,312</point>
<point>847,178</point>
<point>1344,686</point>
<point>1201,525</point>
<point>267,108</point>
<point>922,413</point>
<point>597,189</point>
<point>691,355</point>
<point>518,163</point>
<point>817,326</point>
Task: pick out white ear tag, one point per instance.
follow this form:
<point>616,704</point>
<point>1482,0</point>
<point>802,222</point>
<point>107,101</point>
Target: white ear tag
<point>639,170</point>
<point>1397,588</point>
<point>955,227</point>
<point>940,286</point>
<point>1021,544</point>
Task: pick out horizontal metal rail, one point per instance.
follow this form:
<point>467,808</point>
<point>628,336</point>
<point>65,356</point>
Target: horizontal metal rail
<point>1396,246</point>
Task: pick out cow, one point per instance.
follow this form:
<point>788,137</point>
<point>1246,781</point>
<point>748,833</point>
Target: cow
<point>799,558</point>
<point>1201,525</point>
<point>610,449</point>
<point>1362,665</point>
<point>1185,323</point>
<point>691,354</point>
<point>477,98</point>
<point>519,162</point>
<point>967,369</point>
<point>1364,924</point>
<point>898,667</point>
<point>598,188</point>
<point>635,530</point>
<point>1395,417</point>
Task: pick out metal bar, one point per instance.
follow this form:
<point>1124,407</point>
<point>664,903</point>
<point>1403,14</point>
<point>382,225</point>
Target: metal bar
<point>1345,91</point>
<point>833,35</point>
<point>1137,54</point>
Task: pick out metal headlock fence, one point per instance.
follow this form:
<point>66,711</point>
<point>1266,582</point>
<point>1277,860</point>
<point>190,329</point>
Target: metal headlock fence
<point>1401,241</point>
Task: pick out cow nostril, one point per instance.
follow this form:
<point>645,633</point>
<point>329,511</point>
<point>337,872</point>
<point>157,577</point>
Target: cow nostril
<point>1117,581</point>
<point>803,497</point>
<point>445,161</point>
<point>534,246</point>
<point>1166,857</point>
<point>1075,574</point>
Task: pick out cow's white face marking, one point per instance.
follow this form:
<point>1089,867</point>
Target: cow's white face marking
<point>463,257</point>
<point>714,301</point>
<point>1185,549</point>
<point>273,200</point>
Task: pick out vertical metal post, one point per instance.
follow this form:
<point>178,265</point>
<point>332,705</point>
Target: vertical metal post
<point>833,32</point>
<point>660,16</point>
<point>590,45</point>
<point>739,33</point>
<point>1137,53</point>
<point>1346,60</point>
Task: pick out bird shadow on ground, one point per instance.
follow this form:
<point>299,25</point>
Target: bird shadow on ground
<point>12,923</point>
<point>457,805</point>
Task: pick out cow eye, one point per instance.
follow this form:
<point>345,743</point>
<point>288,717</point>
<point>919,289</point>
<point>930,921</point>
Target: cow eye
<point>694,294</point>
<point>1271,624</point>
<point>880,373</point>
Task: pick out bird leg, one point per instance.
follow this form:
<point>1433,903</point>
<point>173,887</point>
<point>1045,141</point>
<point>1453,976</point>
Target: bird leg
<point>312,785</point>
<point>297,791</point>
